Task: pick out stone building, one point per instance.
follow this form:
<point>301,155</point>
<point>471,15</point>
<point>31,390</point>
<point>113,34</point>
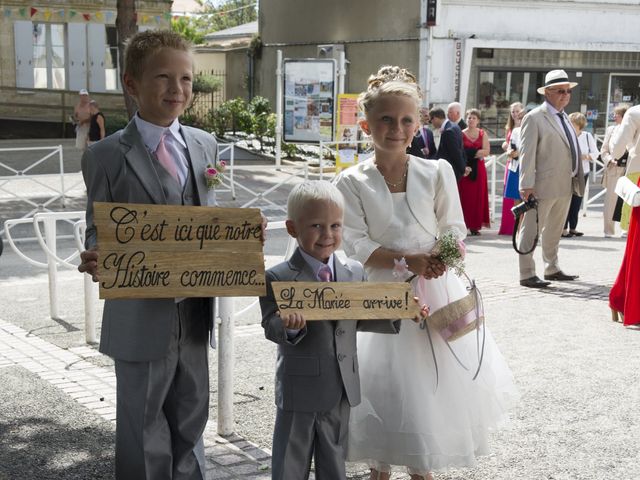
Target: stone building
<point>484,53</point>
<point>53,48</point>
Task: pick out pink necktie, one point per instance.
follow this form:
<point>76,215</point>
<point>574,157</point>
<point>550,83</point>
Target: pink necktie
<point>165,158</point>
<point>324,274</point>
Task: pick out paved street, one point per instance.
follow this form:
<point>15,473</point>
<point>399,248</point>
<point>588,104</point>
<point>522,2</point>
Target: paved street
<point>577,371</point>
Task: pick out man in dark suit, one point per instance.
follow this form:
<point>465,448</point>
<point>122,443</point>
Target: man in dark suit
<point>450,147</point>
<point>423,144</point>
<point>454,114</point>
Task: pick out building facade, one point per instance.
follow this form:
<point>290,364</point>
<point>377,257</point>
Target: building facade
<point>486,54</point>
<point>52,49</point>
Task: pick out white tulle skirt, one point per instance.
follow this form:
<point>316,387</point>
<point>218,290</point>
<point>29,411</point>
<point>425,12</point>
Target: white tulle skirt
<point>411,417</point>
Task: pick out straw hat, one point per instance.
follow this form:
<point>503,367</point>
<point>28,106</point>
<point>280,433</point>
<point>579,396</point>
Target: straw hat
<point>554,78</point>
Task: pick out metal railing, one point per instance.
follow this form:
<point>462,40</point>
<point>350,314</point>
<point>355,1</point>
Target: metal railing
<point>23,180</point>
<point>49,245</point>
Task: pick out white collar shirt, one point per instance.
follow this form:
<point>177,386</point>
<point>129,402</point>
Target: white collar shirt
<point>175,144</point>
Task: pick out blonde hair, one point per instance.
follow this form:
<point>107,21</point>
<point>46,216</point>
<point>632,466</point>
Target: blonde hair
<point>578,119</point>
<point>144,44</point>
<point>389,80</point>
<point>510,121</point>
<point>312,190</point>
<point>620,110</point>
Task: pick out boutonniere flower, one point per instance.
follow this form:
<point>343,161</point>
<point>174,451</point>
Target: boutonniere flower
<point>213,174</point>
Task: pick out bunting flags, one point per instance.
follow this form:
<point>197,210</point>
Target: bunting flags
<point>38,13</point>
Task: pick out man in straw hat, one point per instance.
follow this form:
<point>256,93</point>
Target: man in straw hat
<point>550,172</point>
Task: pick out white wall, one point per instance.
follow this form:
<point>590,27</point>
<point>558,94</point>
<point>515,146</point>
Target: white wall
<point>605,25</point>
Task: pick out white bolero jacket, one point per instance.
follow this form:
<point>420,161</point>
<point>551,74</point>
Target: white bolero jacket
<point>432,195</point>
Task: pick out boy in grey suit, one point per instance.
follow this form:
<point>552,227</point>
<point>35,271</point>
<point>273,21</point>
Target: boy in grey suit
<point>159,345</point>
<point>317,368</point>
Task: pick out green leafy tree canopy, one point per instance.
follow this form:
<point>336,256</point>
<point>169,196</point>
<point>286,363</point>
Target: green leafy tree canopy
<point>227,14</point>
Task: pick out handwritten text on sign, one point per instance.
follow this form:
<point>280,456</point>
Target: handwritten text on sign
<point>161,251</point>
<point>346,300</point>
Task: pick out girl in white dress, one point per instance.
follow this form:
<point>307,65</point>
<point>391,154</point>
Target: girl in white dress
<point>396,207</point>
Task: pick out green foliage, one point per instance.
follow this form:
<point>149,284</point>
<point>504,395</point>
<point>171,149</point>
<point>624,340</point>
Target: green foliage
<point>259,106</point>
<point>188,27</point>
<point>240,116</point>
<point>205,83</point>
<point>114,122</point>
<point>230,13</point>
<point>219,120</point>
<point>289,149</point>
<point>271,125</point>
<point>255,47</point>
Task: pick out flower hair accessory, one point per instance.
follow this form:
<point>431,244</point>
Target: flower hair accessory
<point>213,173</point>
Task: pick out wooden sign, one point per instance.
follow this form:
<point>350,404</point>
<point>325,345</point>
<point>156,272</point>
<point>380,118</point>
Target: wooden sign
<point>163,251</point>
<point>346,300</point>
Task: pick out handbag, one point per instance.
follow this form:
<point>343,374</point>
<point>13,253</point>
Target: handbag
<point>457,318</point>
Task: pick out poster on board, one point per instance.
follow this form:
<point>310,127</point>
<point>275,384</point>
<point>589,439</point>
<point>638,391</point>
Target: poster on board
<point>309,93</point>
<point>353,145</point>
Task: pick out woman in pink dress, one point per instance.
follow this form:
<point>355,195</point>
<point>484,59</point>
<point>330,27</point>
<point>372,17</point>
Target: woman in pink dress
<point>516,112</point>
<point>474,194</point>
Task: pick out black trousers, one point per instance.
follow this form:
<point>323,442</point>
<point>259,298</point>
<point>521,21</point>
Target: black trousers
<point>574,210</point>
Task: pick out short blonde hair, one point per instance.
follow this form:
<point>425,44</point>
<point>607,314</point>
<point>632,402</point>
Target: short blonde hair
<point>578,119</point>
<point>312,190</point>
<point>620,110</point>
<point>389,80</point>
<point>144,44</point>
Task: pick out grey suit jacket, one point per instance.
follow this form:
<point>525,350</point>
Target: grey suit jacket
<point>314,367</point>
<point>545,157</point>
<point>119,169</point>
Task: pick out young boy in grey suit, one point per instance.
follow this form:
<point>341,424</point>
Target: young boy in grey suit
<point>159,345</point>
<point>317,368</point>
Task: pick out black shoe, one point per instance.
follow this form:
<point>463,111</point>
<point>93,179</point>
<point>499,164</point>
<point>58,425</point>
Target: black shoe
<point>567,234</point>
<point>534,282</point>
<point>561,276</point>
<point>475,233</point>
<point>576,233</point>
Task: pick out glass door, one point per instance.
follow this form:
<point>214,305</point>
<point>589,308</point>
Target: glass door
<point>624,89</point>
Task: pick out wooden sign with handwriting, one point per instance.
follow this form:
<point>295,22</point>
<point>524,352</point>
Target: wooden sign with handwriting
<point>346,300</point>
<point>163,251</point>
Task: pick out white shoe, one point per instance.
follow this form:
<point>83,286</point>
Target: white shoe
<point>606,235</point>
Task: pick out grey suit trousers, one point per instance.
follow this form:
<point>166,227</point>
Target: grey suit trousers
<point>552,214</point>
<point>165,402</point>
<point>299,435</point>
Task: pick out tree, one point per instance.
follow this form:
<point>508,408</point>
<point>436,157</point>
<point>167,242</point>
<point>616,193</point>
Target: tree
<point>188,29</point>
<point>126,26</point>
<point>230,13</point>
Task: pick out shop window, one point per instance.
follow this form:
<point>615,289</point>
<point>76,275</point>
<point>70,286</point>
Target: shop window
<point>111,66</point>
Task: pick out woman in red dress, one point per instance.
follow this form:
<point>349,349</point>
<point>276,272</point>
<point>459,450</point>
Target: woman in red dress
<point>516,112</point>
<point>474,194</point>
<point>624,298</point>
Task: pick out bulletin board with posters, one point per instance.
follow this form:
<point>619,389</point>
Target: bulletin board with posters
<point>309,98</point>
<point>351,141</point>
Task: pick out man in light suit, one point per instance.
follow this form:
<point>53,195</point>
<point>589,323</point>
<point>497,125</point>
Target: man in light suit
<point>423,144</point>
<point>159,345</point>
<point>317,380</point>
<point>450,147</point>
<point>550,171</point>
